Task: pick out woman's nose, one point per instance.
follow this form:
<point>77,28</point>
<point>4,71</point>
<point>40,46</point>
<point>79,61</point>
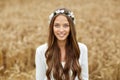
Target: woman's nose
<point>61,28</point>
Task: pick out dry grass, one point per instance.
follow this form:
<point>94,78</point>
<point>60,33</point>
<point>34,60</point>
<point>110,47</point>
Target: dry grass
<point>24,26</point>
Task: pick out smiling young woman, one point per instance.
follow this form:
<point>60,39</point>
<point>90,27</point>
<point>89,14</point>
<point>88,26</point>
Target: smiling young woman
<point>61,28</point>
<point>62,57</point>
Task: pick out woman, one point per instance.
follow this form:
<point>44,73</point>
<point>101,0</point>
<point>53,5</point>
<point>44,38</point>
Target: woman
<point>62,57</point>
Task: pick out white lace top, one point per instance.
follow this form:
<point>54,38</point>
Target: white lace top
<point>41,65</point>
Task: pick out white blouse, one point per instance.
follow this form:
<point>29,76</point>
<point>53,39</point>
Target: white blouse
<point>41,65</point>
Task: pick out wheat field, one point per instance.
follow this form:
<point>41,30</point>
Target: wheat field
<point>24,26</point>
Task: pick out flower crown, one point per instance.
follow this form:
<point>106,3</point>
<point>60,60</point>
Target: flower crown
<point>61,11</point>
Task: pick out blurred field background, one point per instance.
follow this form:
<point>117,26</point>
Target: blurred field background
<point>24,26</point>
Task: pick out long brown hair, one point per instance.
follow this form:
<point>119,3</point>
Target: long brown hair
<point>72,54</point>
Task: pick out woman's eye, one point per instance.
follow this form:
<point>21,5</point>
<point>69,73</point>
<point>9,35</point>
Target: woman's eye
<point>65,25</point>
<point>56,25</point>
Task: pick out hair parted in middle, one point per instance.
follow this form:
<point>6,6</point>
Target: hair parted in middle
<point>72,51</point>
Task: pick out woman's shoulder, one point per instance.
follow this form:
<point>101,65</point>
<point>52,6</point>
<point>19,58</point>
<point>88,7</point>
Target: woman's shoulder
<point>82,46</point>
<point>42,48</point>
<point>40,51</point>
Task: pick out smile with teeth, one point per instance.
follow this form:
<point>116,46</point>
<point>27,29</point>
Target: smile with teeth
<point>61,35</point>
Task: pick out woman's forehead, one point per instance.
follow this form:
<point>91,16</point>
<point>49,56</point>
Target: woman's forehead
<point>61,18</point>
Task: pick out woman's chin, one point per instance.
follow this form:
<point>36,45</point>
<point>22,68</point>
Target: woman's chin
<point>61,39</point>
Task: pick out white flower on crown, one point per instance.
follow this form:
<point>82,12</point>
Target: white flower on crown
<point>51,15</point>
<point>72,15</point>
<point>59,11</point>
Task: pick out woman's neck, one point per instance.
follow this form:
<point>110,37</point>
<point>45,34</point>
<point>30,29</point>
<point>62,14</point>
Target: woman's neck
<point>62,44</point>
